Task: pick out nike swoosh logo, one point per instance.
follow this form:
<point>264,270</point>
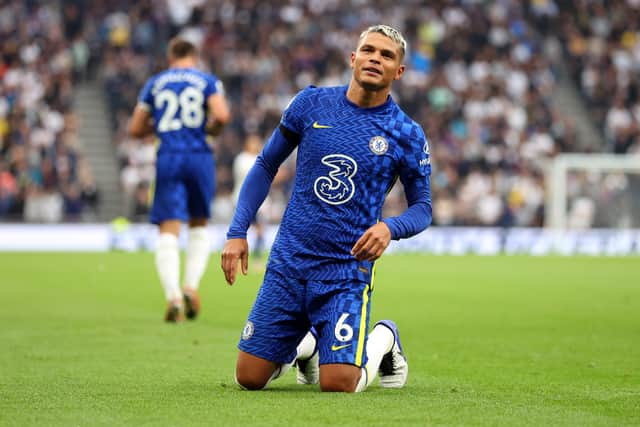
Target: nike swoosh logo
<point>339,347</point>
<point>317,125</point>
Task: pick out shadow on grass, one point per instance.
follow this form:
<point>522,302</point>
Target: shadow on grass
<point>272,388</point>
<point>229,386</point>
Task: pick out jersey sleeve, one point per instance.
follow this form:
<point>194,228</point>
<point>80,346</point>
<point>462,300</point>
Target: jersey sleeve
<point>256,185</point>
<point>294,113</point>
<point>214,85</point>
<point>417,159</point>
<point>415,172</point>
<point>145,97</point>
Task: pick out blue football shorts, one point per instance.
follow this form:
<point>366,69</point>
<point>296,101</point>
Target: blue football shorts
<point>184,186</point>
<point>286,308</point>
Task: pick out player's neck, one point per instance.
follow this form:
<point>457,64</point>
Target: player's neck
<point>365,98</point>
<point>183,63</point>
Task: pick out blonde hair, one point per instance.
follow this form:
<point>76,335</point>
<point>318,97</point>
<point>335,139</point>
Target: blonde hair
<point>388,31</point>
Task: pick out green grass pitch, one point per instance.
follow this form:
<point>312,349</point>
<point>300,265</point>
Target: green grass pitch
<point>490,341</point>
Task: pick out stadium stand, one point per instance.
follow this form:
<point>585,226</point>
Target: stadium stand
<point>44,176</point>
<point>478,81</point>
<point>603,51</point>
<point>484,80</point>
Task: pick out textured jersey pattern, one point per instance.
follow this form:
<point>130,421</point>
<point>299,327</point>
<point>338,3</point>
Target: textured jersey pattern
<point>348,158</point>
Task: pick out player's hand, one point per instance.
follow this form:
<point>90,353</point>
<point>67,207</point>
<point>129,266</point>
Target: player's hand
<point>234,250</point>
<point>372,243</point>
<point>213,128</point>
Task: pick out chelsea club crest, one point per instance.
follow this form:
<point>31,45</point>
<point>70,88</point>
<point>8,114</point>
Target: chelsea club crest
<point>378,145</point>
<point>247,332</point>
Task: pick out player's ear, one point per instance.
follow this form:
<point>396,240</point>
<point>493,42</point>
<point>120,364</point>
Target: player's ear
<point>353,58</point>
<point>399,72</point>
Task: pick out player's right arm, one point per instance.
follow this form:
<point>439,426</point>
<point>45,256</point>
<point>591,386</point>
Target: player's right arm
<point>253,192</point>
<point>256,185</point>
<point>234,250</point>
<point>258,181</point>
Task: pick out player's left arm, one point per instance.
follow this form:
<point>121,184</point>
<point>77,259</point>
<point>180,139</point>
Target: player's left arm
<point>415,171</point>
<point>219,113</point>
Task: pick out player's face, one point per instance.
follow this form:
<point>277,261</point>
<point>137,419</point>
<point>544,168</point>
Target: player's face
<point>377,62</point>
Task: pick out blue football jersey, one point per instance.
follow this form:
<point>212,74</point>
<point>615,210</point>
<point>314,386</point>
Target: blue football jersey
<point>177,100</point>
<point>348,159</point>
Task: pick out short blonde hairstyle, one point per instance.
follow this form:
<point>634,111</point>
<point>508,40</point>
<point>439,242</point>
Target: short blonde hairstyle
<point>388,31</point>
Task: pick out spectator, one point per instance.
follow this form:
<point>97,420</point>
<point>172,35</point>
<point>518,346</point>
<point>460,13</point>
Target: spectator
<point>38,61</point>
<point>480,81</point>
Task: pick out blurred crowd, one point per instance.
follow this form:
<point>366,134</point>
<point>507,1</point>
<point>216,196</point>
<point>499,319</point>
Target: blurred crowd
<point>43,174</point>
<point>480,80</point>
<point>602,42</point>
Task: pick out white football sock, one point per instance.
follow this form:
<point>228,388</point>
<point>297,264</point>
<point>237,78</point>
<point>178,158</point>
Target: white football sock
<point>363,383</point>
<point>168,265</point>
<point>307,347</point>
<point>197,256</point>
<point>280,371</point>
<point>379,342</point>
<point>305,350</point>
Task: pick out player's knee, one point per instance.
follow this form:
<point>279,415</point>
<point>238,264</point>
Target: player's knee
<point>344,381</point>
<point>252,372</point>
<point>249,382</point>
